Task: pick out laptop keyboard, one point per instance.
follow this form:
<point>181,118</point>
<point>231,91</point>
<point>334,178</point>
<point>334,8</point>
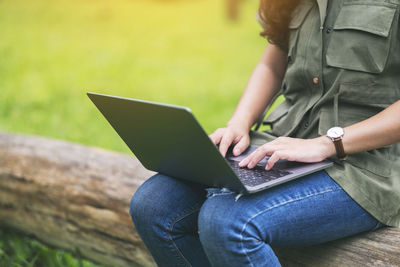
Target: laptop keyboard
<point>258,175</point>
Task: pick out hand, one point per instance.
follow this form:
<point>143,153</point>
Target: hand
<point>292,149</point>
<point>232,134</point>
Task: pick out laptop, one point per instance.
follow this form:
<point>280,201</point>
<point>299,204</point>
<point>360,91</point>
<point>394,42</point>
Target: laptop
<point>169,140</point>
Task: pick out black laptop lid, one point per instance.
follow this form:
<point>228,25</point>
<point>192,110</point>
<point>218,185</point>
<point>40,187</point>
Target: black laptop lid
<point>167,139</point>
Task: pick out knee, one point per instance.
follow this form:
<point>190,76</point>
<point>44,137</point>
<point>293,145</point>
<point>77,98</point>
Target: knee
<point>218,224</point>
<point>137,203</point>
<point>224,223</point>
<point>143,205</point>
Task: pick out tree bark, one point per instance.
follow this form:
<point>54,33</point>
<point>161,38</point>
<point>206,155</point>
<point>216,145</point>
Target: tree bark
<point>72,197</point>
<point>75,197</point>
<point>377,248</point>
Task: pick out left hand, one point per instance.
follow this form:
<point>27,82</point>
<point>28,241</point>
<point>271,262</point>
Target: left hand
<point>291,149</point>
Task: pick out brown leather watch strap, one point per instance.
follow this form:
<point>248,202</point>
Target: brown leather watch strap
<point>339,148</point>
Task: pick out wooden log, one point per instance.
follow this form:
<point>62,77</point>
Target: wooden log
<point>377,248</point>
<point>76,197</point>
<point>72,197</point>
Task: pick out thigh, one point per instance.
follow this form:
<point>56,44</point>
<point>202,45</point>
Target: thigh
<point>163,201</point>
<point>307,211</point>
<point>165,211</point>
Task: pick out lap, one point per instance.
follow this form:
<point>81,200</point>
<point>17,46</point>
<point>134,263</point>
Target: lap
<point>306,211</point>
<point>309,210</point>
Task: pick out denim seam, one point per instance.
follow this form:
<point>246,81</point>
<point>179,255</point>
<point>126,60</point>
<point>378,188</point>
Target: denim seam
<point>172,224</point>
<point>273,207</point>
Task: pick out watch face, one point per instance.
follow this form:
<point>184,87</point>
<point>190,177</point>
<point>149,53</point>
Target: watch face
<point>335,132</point>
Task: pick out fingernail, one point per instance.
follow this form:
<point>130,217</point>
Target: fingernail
<point>236,151</point>
<point>241,163</point>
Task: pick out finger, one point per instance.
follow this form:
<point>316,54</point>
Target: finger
<point>281,154</point>
<point>216,136</point>
<point>245,162</point>
<point>226,141</point>
<point>241,145</point>
<point>258,155</point>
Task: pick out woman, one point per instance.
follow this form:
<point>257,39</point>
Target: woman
<point>337,64</point>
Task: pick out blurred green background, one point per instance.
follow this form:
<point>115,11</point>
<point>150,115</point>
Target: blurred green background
<point>180,52</point>
<point>52,52</point>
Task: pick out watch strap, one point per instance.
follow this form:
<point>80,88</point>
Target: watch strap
<point>339,148</point>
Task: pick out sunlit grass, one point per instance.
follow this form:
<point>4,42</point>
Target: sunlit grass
<point>180,52</point>
<point>53,52</point>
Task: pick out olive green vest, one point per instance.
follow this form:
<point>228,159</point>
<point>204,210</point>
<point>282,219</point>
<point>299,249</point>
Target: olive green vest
<point>344,67</point>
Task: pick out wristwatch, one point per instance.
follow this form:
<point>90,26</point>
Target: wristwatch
<point>336,135</point>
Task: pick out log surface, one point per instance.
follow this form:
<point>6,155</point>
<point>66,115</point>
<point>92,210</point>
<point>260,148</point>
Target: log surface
<point>377,248</point>
<point>72,197</point>
<point>76,197</point>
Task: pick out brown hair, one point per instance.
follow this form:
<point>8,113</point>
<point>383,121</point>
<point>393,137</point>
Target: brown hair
<point>276,16</point>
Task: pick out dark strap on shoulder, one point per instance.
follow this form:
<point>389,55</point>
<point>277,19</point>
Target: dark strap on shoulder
<point>261,118</point>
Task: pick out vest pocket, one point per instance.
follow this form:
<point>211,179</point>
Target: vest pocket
<point>277,114</point>
<point>368,95</point>
<point>298,17</point>
<point>361,37</point>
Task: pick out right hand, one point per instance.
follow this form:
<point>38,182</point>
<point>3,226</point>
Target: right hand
<point>232,134</point>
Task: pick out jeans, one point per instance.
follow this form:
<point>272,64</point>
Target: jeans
<point>185,224</point>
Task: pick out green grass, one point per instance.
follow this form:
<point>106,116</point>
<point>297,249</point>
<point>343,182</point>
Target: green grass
<point>53,52</point>
<point>180,52</point>
<point>16,251</point>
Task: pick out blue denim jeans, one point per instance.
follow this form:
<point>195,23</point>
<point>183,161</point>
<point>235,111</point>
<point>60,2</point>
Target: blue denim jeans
<point>183,224</point>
